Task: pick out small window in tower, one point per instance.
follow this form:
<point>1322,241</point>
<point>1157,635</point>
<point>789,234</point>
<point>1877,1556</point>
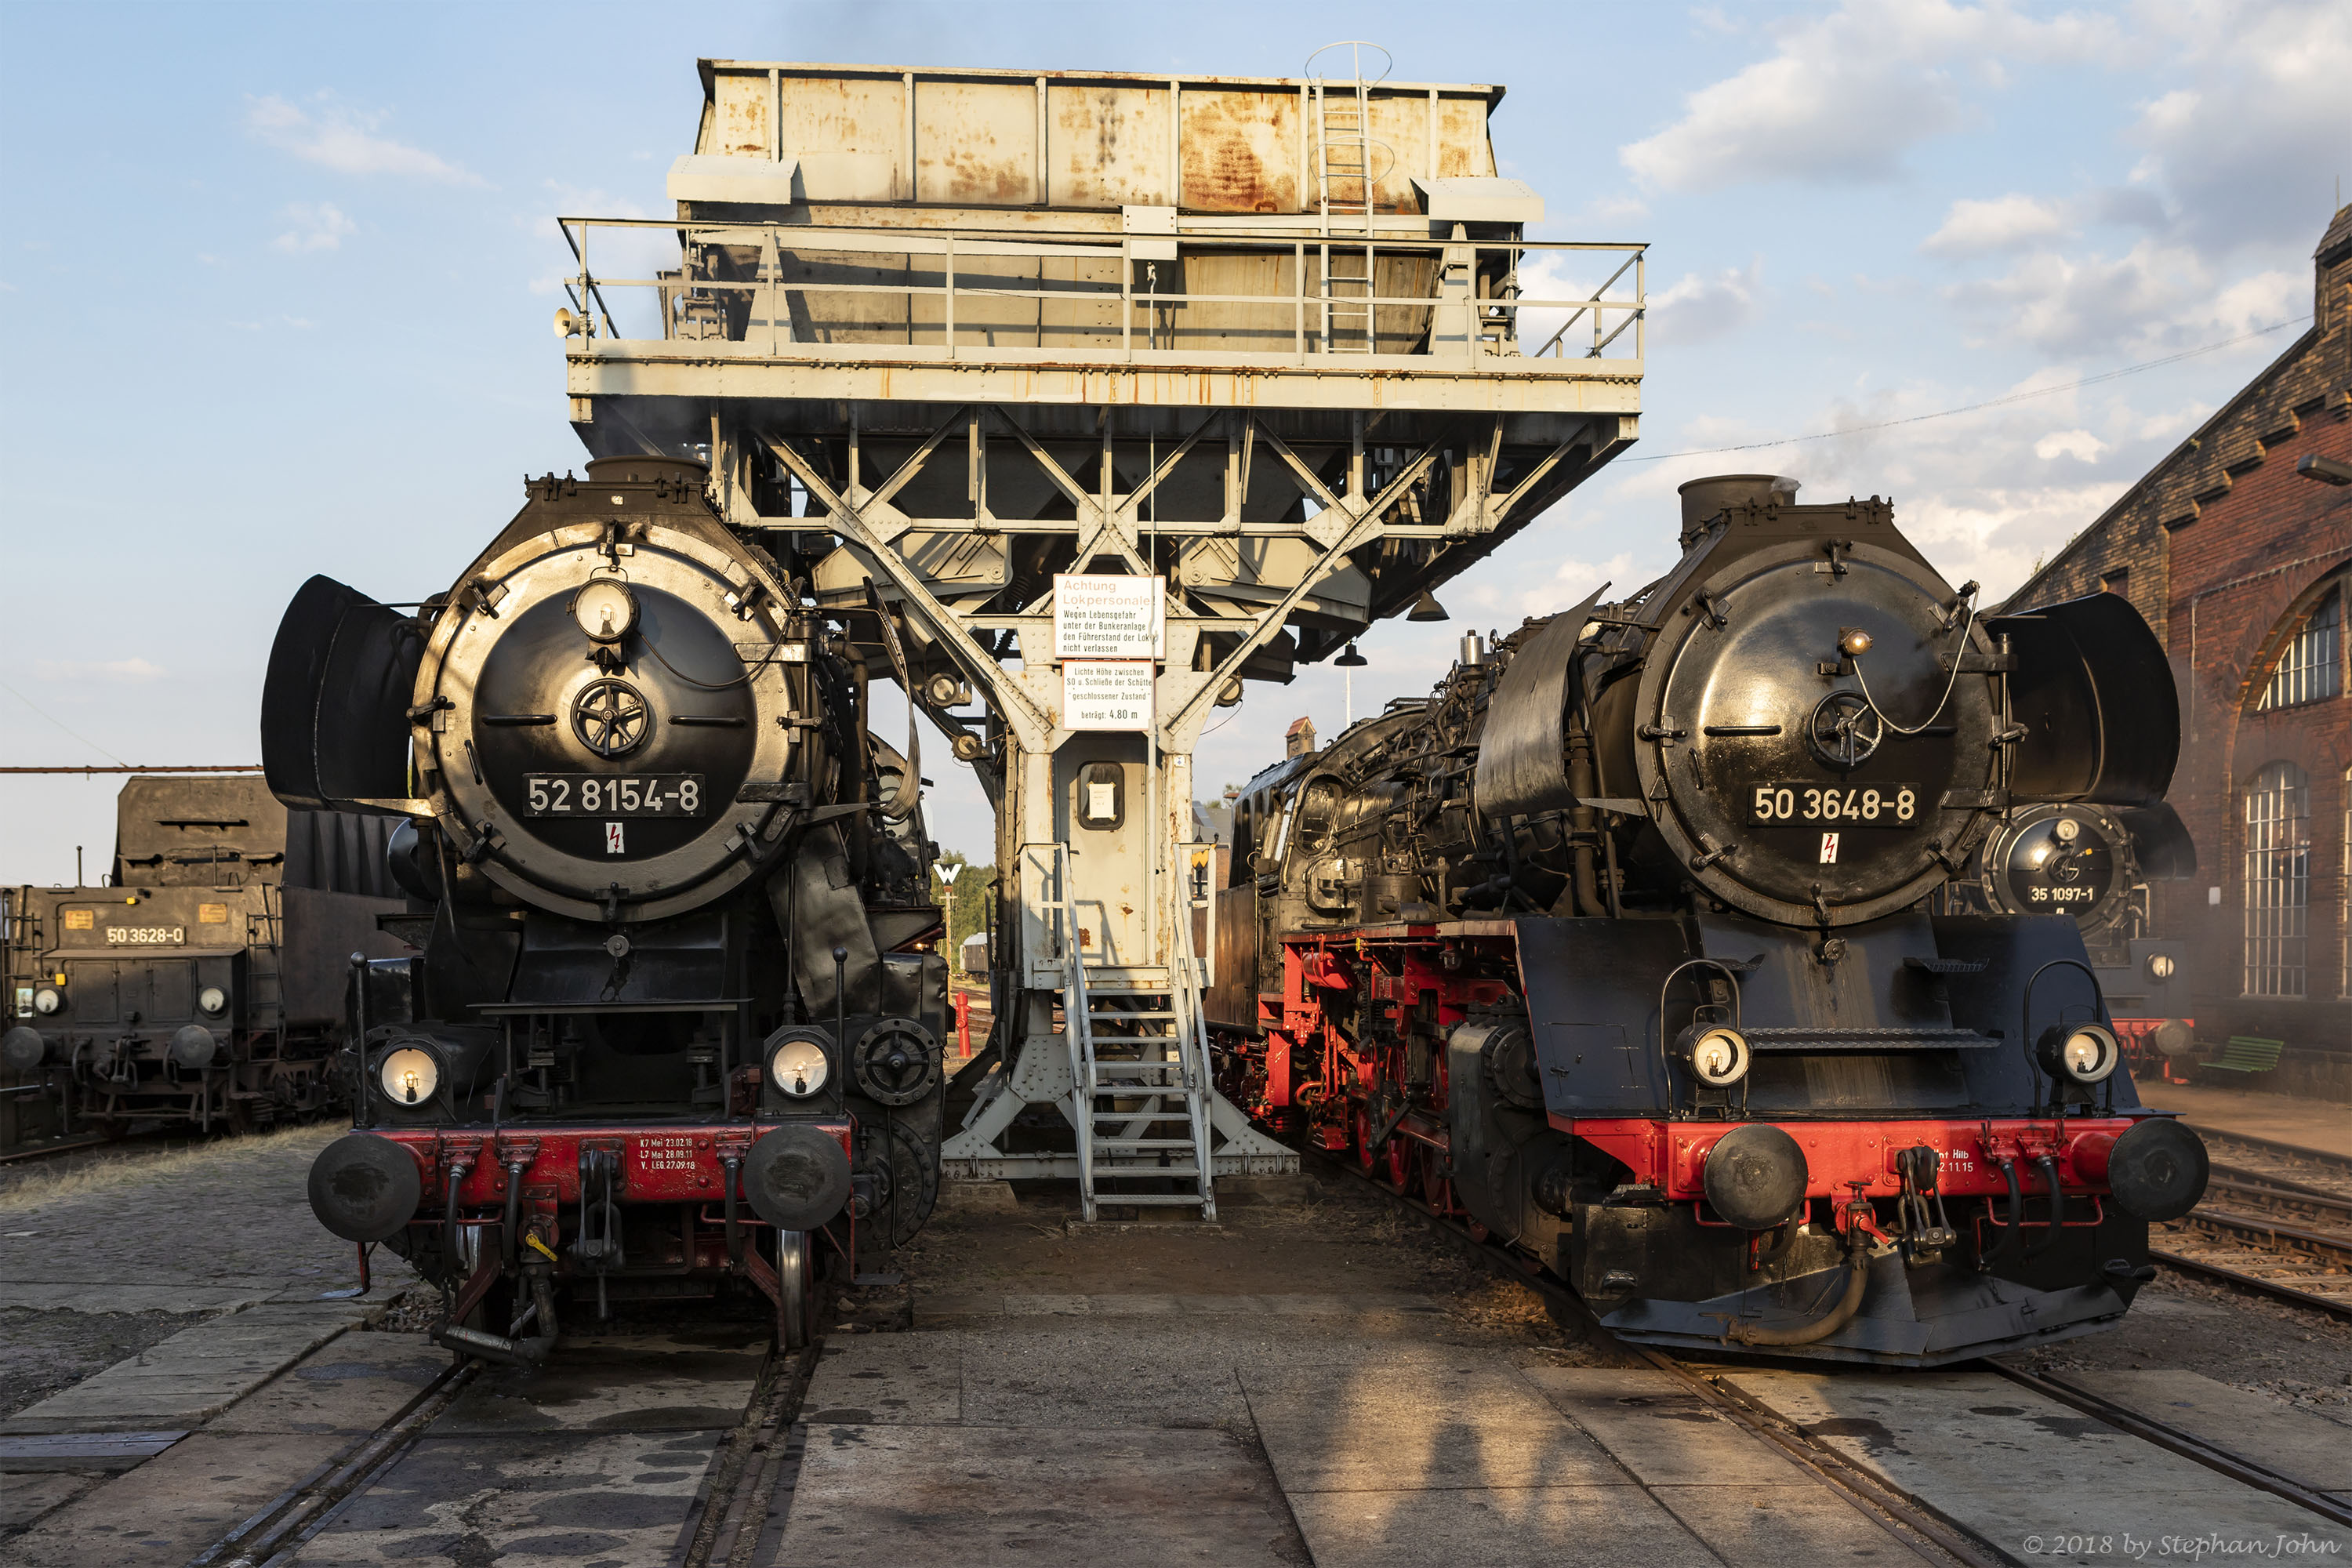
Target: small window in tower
<point>2118,582</point>
<point>2311,667</point>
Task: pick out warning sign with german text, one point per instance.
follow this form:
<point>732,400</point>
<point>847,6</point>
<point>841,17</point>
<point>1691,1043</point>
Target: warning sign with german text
<point>1101,616</point>
<point>1107,694</point>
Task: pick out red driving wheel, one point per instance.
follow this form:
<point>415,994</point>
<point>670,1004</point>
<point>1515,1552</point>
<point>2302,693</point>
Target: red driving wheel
<point>1400,1164</point>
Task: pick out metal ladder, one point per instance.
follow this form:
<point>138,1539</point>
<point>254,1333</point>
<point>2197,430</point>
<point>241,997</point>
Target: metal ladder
<point>1344,164</point>
<point>1139,1072</point>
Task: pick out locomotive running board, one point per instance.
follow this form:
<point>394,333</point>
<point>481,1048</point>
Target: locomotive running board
<point>1926,1317</point>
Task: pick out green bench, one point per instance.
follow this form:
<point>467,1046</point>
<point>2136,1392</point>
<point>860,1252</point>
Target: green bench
<point>2243,1056</point>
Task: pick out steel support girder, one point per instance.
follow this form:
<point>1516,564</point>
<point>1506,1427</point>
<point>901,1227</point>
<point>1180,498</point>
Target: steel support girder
<point>713,372</point>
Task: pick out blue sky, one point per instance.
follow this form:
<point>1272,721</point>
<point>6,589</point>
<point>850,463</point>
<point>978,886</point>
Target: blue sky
<point>275,286</point>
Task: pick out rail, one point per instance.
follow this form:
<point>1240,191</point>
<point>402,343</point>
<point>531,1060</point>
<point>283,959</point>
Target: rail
<point>792,290</point>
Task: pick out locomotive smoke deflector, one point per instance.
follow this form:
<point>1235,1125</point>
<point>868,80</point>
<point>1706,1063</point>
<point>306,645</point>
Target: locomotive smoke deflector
<point>2091,686</point>
<point>334,729</point>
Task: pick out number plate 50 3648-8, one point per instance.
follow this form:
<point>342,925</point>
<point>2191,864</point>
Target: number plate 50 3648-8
<point>598,794</point>
<point>1848,805</point>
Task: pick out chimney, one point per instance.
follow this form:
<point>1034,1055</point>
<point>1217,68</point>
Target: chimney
<point>1706,500</point>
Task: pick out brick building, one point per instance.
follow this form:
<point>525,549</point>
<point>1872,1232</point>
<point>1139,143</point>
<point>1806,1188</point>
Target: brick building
<point>2238,549</point>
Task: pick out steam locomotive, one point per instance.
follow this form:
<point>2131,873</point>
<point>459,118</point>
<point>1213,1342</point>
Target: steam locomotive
<point>2095,865</point>
<point>1623,946</point>
<point>201,984</point>
<point>673,1030</point>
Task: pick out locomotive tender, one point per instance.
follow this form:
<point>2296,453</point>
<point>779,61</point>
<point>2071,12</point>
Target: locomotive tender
<point>672,1032</point>
<point>1622,945</point>
<point>202,983</point>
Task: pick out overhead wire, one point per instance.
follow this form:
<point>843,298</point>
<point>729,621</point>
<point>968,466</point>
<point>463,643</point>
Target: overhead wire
<point>61,724</point>
<point>2026,395</point>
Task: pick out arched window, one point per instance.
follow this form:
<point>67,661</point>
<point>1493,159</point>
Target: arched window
<point>2278,879</point>
<point>2312,665</point>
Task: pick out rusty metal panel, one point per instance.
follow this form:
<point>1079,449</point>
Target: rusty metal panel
<point>1463,144</point>
<point>740,124</point>
<point>975,143</point>
<point>1107,144</point>
<point>849,134</point>
<point>1240,150</point>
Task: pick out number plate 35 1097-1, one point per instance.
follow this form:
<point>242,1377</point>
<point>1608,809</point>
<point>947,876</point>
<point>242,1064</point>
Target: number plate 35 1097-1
<point>1849,805</point>
<point>598,794</point>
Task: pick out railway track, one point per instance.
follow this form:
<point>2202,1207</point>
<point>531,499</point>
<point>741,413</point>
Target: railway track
<point>750,1474</point>
<point>2284,1236</point>
<point>1932,1534</point>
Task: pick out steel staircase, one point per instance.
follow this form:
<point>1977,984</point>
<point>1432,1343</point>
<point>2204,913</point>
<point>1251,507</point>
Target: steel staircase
<point>1140,1072</point>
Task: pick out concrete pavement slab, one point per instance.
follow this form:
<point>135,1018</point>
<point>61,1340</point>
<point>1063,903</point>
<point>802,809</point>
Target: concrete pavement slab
<point>1519,1527</point>
<point>977,1497</point>
<point>2301,1444</point>
<point>192,1375</point>
<point>172,1507</point>
<point>888,1380</point>
<point>622,1499</point>
<point>618,1384</point>
<point>1995,1457</point>
<point>1386,1428</point>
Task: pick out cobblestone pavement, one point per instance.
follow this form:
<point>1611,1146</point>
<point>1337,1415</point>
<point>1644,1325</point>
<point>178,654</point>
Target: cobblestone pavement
<point>215,1220</point>
<point>102,1259</point>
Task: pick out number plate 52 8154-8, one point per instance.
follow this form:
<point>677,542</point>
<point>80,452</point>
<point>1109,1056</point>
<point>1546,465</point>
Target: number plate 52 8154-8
<point>598,794</point>
<point>1848,805</point>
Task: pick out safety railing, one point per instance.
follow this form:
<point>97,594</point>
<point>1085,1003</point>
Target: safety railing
<point>803,292</point>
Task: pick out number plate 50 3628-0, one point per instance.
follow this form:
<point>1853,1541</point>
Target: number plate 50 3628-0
<point>598,794</point>
<point>1848,805</point>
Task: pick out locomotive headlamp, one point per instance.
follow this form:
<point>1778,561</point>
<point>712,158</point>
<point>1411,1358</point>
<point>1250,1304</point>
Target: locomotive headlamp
<point>410,1075</point>
<point>2086,1053</point>
<point>799,1064</point>
<point>48,1000</point>
<point>605,609</point>
<point>2067,829</point>
<point>1853,642</point>
<point>1716,1053</point>
<point>2162,966</point>
<point>212,999</point>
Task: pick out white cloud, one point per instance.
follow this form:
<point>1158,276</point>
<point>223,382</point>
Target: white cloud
<point>1695,308</point>
<point>2005,223</point>
<point>2155,297</point>
<point>2080,445</point>
<point>319,227</point>
<point>1848,94</point>
<point>344,140</point>
<point>118,670</point>
<point>2246,147</point>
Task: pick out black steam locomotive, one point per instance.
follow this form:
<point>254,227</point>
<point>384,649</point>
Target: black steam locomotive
<point>2095,865</point>
<point>200,985</point>
<point>1623,945</point>
<point>674,1029</point>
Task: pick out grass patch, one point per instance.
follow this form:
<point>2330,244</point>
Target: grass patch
<point>103,1172</point>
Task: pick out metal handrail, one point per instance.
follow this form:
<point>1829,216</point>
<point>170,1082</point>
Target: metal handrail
<point>1192,1050</point>
<point>1078,1026</point>
<point>1319,294</point>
